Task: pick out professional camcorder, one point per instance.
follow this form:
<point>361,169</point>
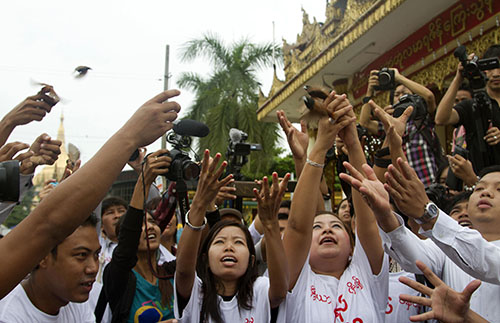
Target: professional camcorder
<point>181,166</point>
<point>238,150</point>
<point>473,68</point>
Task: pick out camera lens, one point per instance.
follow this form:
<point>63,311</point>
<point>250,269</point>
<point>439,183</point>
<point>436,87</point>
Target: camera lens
<point>190,170</point>
<point>384,78</point>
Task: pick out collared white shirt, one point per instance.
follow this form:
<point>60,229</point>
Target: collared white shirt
<point>107,248</point>
<point>406,248</point>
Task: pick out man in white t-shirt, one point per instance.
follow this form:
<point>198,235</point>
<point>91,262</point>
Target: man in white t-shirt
<point>58,288</point>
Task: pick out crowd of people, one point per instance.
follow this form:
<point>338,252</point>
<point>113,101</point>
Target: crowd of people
<point>416,237</point>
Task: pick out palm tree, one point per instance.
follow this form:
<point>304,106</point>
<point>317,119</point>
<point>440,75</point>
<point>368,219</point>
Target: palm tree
<point>228,97</point>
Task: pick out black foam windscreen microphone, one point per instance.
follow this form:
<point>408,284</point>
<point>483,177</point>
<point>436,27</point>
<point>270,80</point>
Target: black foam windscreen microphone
<point>460,53</point>
<point>191,128</point>
<point>184,127</point>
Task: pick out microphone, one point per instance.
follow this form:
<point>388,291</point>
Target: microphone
<point>235,135</point>
<point>190,128</point>
<point>461,53</point>
<point>184,127</point>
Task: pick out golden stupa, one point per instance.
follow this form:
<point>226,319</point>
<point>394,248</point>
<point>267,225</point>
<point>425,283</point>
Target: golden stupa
<point>56,170</point>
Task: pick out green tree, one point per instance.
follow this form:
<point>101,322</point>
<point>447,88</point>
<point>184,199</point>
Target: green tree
<point>228,97</point>
<point>22,210</point>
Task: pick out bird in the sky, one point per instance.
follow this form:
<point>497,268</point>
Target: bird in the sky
<point>81,71</point>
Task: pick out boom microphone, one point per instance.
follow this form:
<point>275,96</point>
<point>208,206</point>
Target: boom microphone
<point>184,127</point>
<point>191,128</point>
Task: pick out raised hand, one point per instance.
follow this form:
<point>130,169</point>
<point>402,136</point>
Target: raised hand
<point>268,200</point>
<point>463,169</point>
<point>8,151</point>
<point>45,152</point>
<point>447,305</point>
<point>225,193</point>
<point>155,164</point>
<point>33,108</point>
<point>388,120</point>
<point>297,140</point>
<point>405,188</point>
<point>209,183</point>
<point>370,188</point>
<point>152,119</point>
<point>328,127</point>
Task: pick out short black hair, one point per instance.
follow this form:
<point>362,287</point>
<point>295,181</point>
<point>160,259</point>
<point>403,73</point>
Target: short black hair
<point>492,51</point>
<point>489,169</point>
<point>465,87</point>
<point>91,221</point>
<point>112,201</point>
<point>459,198</point>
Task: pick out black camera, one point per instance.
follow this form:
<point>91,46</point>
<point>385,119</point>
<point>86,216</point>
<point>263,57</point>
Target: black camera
<point>181,166</point>
<point>9,181</point>
<point>473,69</point>
<point>386,80</point>
<point>416,101</point>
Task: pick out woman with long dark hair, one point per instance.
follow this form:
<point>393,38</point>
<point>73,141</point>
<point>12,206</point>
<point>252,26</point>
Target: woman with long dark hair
<point>227,288</point>
<point>331,278</point>
<point>133,290</point>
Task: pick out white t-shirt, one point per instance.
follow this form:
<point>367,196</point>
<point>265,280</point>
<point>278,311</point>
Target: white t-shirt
<point>358,297</point>
<point>398,311</point>
<point>165,255</point>
<point>260,312</point>
<point>17,307</point>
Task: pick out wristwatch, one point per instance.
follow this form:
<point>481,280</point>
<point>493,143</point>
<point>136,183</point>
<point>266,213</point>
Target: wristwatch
<point>431,211</point>
<point>366,99</point>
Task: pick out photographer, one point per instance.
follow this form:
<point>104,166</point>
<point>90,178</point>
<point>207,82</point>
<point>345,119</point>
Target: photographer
<point>420,143</point>
<point>464,114</point>
<point>401,85</point>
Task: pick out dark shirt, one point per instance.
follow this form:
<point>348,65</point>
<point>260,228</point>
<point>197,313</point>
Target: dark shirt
<point>476,123</point>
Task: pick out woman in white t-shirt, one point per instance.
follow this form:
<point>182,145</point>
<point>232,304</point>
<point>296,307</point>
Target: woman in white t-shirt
<point>227,288</point>
<point>331,279</point>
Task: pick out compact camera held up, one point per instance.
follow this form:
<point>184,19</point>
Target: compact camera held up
<point>386,80</point>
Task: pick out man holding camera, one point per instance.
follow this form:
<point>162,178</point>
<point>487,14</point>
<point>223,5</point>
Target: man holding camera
<point>481,123</point>
<point>420,142</point>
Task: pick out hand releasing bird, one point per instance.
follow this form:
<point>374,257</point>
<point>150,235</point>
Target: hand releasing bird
<point>314,103</point>
<point>81,71</point>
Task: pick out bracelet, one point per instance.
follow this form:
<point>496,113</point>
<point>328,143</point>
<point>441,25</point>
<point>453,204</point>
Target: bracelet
<point>314,164</point>
<point>471,188</point>
<point>194,227</point>
<point>383,152</point>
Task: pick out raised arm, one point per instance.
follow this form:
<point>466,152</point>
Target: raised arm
<point>365,117</point>
<point>187,251</point>
<point>71,202</point>
<point>268,201</point>
<point>417,88</point>
<point>298,234</point>
<point>445,114</point>
<point>33,108</point>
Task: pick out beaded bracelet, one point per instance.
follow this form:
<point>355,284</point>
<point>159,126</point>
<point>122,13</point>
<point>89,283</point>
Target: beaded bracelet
<point>314,164</point>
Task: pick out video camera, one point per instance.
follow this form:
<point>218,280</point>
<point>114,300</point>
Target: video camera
<point>181,166</point>
<point>238,150</point>
<point>473,69</point>
<point>9,181</point>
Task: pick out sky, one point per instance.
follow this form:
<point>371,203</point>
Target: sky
<point>124,44</point>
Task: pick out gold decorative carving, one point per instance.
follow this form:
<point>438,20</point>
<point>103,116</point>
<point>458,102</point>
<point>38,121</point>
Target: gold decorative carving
<point>437,72</point>
<point>336,35</point>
